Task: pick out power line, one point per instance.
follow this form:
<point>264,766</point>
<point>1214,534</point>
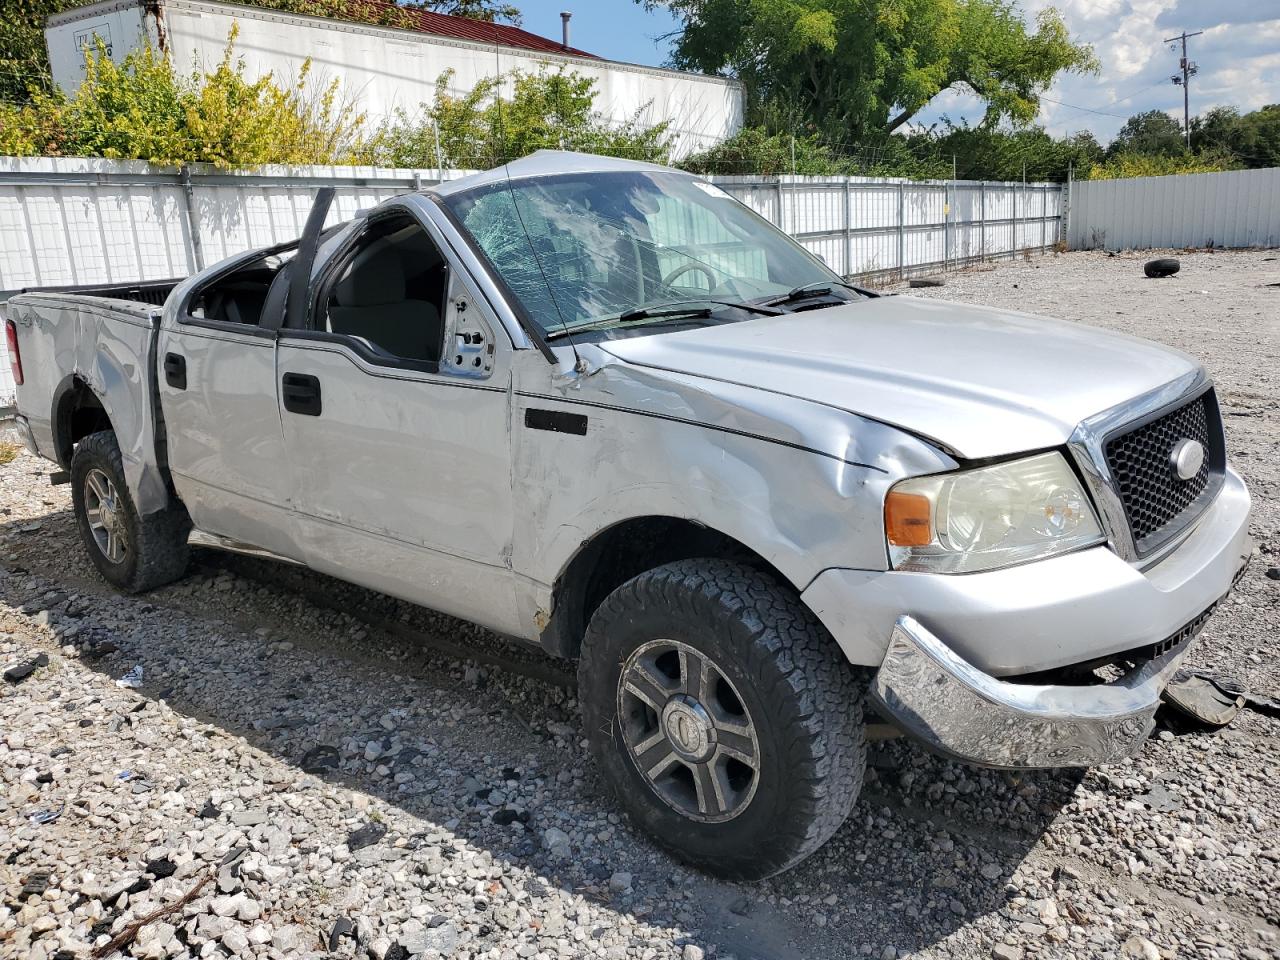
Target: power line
<point>1103,113</point>
<point>1128,96</point>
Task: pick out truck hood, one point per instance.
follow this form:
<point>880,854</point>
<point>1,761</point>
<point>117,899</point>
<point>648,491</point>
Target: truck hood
<point>978,381</point>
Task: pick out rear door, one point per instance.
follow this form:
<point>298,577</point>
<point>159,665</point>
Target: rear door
<point>396,413</point>
<point>217,382</point>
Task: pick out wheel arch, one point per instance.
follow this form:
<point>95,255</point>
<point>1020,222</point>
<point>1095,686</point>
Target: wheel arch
<point>77,412</point>
<point>83,405</point>
<point>616,553</point>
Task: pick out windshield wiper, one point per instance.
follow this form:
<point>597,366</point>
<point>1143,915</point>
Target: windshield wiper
<point>819,288</point>
<point>673,308</point>
<point>670,310</point>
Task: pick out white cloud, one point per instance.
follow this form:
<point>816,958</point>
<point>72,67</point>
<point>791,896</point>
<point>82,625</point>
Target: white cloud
<point>1237,56</point>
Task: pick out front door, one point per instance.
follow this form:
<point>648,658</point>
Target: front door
<point>395,413</point>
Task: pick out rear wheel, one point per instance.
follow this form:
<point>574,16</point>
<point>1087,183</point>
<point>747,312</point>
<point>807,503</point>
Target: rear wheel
<point>723,715</point>
<point>131,552</point>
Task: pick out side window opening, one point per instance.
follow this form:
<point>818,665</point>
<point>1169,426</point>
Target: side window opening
<point>239,297</point>
<point>390,292</point>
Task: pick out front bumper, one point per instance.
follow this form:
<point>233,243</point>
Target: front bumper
<point>940,643</point>
<point>955,708</point>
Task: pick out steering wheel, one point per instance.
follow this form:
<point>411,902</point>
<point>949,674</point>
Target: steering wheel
<point>680,271</point>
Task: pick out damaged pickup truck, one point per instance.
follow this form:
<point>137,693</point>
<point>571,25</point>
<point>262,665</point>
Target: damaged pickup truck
<point>603,407</point>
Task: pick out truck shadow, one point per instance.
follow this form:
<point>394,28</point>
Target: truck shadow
<point>474,735</point>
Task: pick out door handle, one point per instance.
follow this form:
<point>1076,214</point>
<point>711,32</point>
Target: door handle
<point>301,394</point>
<point>175,370</point>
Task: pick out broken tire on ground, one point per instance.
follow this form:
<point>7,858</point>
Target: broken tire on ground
<point>1163,267</point>
<point>723,715</point>
<point>925,282</point>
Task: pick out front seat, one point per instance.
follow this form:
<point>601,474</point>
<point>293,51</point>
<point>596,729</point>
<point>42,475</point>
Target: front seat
<point>369,302</point>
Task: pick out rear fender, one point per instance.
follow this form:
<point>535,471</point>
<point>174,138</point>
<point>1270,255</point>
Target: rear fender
<point>112,362</point>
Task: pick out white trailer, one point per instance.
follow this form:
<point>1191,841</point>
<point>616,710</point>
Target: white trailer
<point>386,68</point>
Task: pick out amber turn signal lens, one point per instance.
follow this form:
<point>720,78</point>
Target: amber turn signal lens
<point>908,519</point>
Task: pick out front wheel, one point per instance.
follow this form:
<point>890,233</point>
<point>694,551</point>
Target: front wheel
<point>132,552</point>
<point>723,715</point>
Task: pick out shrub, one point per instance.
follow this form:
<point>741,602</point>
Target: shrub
<point>31,130</point>
<point>1129,164</point>
<point>140,109</point>
<point>755,151</point>
<point>549,109</point>
<point>233,122</point>
<point>133,110</point>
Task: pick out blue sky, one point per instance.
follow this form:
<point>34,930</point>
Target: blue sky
<point>617,29</point>
<point>1239,55</point>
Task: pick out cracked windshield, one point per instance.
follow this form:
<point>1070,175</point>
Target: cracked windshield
<point>602,251</point>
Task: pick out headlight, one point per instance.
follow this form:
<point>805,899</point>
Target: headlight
<point>989,517</point>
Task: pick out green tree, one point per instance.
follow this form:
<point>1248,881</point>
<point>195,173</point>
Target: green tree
<point>487,10</point>
<point>1154,133</point>
<point>974,152</point>
<point>394,14</point>
<point>1218,127</point>
<point>1007,154</point>
<point>855,69</point>
<point>1260,137</point>
<point>24,64</point>
<point>1253,138</point>
<point>754,151</point>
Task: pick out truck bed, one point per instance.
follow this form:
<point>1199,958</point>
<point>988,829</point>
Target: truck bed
<point>145,291</point>
<point>100,340</point>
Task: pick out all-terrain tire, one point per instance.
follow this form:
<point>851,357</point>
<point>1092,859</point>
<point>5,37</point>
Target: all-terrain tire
<point>802,696</point>
<point>155,551</point>
<point>1163,267</point>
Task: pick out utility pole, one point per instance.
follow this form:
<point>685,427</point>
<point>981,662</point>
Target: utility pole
<point>1189,70</point>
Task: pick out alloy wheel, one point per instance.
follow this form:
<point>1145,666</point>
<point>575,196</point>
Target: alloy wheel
<point>105,512</point>
<point>688,731</point>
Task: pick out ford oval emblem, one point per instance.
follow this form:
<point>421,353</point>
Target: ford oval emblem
<point>1186,458</point>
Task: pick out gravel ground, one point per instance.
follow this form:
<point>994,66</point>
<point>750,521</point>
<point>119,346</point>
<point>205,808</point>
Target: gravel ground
<point>306,768</point>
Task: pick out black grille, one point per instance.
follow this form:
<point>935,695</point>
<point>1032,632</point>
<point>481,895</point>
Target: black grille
<point>1177,639</point>
<point>1157,503</point>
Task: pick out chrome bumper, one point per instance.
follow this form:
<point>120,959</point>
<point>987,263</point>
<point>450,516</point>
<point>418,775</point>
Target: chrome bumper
<point>952,706</point>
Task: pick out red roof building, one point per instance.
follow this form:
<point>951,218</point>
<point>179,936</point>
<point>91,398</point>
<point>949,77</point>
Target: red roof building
<point>478,31</point>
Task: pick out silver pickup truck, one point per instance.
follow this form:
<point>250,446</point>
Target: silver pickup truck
<point>603,407</point>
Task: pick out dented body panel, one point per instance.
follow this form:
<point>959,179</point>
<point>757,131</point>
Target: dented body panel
<point>971,378</point>
<point>107,347</point>
<point>800,485</point>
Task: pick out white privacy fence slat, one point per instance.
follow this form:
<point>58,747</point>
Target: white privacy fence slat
<point>1236,208</point>
<point>66,221</point>
<point>866,227</point>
